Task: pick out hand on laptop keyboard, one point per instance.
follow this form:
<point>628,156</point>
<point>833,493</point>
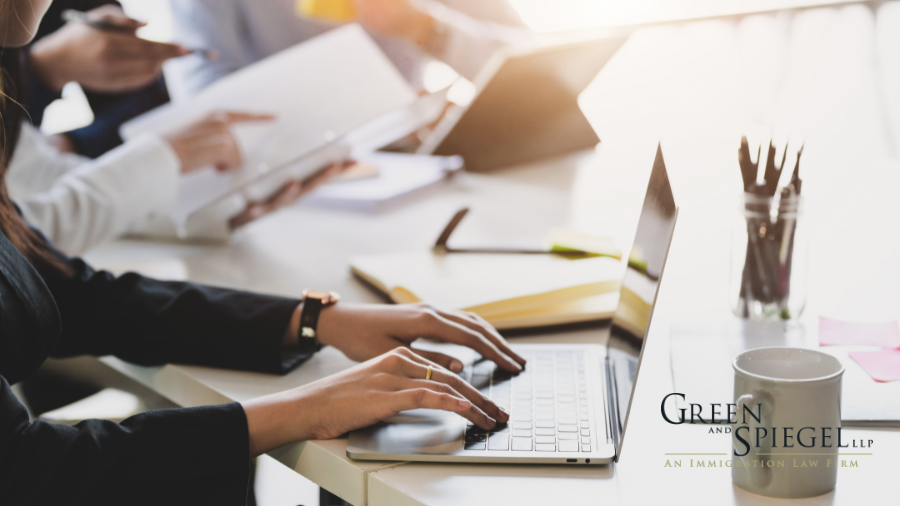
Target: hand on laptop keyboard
<point>364,395</point>
<point>548,404</point>
<point>366,331</point>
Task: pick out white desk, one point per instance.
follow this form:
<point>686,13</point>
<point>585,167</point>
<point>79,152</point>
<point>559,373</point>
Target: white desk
<point>694,284</point>
<point>304,247</point>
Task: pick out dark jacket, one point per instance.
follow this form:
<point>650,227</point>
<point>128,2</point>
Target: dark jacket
<point>181,456</point>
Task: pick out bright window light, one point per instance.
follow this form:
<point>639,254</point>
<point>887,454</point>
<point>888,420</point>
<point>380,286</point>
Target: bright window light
<point>564,15</point>
<point>156,13</point>
<point>70,112</point>
<point>462,92</point>
<point>437,75</point>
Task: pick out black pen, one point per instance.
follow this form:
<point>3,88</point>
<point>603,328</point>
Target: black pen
<point>74,16</point>
<point>441,247</point>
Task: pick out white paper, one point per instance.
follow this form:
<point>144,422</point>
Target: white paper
<point>399,175</point>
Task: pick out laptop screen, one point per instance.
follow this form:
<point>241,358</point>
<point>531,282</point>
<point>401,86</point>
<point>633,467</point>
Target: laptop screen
<point>637,296</point>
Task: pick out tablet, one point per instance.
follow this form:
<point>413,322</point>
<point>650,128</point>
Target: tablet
<point>257,180</point>
<point>527,107</point>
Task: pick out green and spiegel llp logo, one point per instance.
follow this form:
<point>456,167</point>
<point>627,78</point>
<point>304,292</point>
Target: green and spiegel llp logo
<point>771,446</point>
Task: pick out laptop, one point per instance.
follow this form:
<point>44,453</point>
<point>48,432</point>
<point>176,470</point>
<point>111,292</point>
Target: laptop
<point>526,109</point>
<point>570,405</point>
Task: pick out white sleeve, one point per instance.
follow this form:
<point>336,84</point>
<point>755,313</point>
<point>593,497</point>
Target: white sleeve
<point>36,164</point>
<point>465,42</point>
<point>81,205</point>
<point>207,225</point>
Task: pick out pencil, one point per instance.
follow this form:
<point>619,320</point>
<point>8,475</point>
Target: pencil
<point>73,16</point>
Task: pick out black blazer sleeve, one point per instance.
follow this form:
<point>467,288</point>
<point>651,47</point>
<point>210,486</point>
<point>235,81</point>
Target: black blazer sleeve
<point>180,457</point>
<point>150,322</point>
<point>187,456</point>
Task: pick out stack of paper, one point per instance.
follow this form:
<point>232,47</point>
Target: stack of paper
<point>507,290</point>
<point>399,175</point>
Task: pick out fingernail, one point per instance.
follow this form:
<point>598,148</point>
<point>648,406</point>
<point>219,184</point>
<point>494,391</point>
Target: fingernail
<point>464,403</point>
<point>456,367</point>
<point>491,422</point>
<point>504,415</point>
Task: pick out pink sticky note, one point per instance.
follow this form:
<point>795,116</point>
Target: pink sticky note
<point>838,332</point>
<point>883,366</point>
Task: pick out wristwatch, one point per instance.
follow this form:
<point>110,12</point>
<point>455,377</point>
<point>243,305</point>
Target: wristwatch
<point>313,302</point>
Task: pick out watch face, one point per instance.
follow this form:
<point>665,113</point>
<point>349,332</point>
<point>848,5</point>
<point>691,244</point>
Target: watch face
<point>327,298</point>
<point>317,295</point>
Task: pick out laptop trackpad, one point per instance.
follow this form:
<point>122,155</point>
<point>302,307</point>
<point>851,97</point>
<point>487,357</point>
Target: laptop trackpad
<point>413,432</point>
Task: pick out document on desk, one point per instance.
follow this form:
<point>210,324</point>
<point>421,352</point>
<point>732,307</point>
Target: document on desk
<point>334,96</point>
<point>507,290</point>
<point>399,176</point>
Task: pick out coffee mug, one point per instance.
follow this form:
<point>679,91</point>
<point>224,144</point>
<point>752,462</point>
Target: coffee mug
<point>788,415</point>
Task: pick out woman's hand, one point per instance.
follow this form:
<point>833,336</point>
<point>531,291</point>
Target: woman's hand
<point>361,396</point>
<point>210,141</point>
<point>364,331</point>
<point>101,60</point>
<point>288,194</point>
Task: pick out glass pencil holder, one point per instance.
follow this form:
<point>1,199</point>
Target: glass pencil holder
<point>769,257</point>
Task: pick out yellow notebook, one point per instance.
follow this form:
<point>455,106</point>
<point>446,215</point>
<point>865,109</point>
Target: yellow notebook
<point>507,290</point>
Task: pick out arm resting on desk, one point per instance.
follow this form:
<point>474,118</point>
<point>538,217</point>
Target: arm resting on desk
<point>151,322</point>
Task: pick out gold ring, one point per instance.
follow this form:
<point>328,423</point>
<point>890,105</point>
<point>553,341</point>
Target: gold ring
<point>428,373</point>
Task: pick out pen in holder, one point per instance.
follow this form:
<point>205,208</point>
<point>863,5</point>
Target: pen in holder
<point>769,247</point>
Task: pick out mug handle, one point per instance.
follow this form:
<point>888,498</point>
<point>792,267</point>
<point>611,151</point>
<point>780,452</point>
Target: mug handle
<point>760,476</point>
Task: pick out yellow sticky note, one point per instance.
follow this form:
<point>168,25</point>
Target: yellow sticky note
<point>339,11</point>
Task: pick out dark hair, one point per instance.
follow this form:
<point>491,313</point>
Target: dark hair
<point>32,245</point>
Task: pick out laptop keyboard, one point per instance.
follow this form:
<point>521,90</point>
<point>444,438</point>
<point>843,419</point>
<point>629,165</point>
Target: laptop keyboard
<point>548,403</point>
